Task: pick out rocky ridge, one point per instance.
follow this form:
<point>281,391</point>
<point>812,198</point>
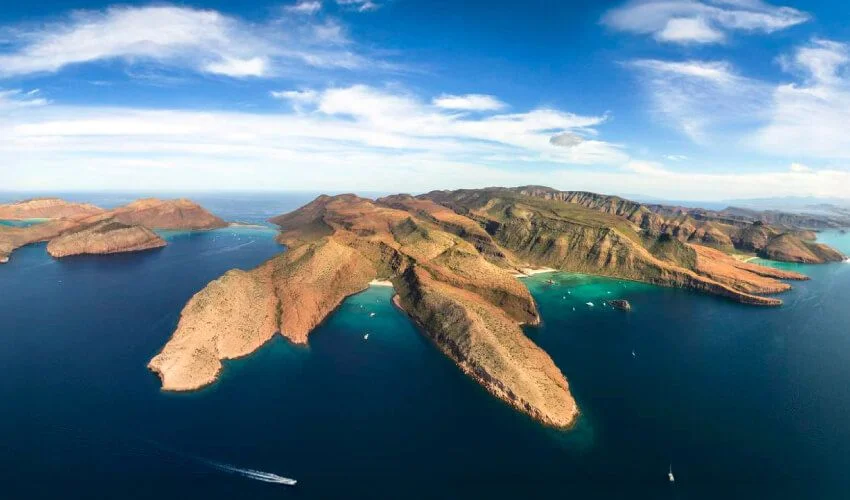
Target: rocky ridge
<point>452,257</point>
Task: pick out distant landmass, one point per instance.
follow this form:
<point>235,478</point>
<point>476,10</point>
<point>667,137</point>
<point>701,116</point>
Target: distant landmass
<point>453,258</point>
<point>81,228</point>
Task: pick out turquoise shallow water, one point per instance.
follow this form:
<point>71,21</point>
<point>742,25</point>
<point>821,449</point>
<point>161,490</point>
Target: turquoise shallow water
<point>745,402</point>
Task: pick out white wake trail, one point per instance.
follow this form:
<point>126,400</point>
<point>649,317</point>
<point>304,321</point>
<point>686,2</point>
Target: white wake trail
<point>256,475</point>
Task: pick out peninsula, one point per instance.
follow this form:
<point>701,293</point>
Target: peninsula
<point>453,257</point>
<point>81,228</point>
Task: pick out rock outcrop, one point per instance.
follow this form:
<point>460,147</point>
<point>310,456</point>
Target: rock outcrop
<point>621,304</point>
<point>471,308</point>
<point>452,257</point>
<point>104,237</point>
<point>75,228</point>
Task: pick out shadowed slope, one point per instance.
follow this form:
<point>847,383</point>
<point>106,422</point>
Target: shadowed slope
<point>471,308</point>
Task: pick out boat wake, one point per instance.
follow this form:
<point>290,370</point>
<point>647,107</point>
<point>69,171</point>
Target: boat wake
<point>256,475</point>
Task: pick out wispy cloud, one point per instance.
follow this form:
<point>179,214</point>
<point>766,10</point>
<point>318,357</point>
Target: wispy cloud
<point>700,21</point>
<point>469,102</point>
<point>359,5</point>
<point>308,7</point>
<point>710,102</point>
<point>702,98</point>
<point>810,118</point>
<point>18,99</point>
<point>204,41</point>
<point>332,131</point>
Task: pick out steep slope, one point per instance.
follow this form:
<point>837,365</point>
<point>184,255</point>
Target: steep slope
<point>451,256</point>
<point>123,229</point>
<point>604,238</point>
<point>104,237</point>
<point>154,213</point>
<point>726,230</point>
<point>471,308</point>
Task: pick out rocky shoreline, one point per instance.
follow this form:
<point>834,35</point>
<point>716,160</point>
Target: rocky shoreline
<point>453,259</point>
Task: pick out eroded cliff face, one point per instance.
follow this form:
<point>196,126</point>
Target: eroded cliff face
<point>104,237</point>
<point>471,308</point>
<point>597,235</point>
<point>451,256</point>
<point>77,228</point>
<point>727,230</point>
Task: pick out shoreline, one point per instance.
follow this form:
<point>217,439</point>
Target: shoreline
<point>377,282</point>
<point>526,272</point>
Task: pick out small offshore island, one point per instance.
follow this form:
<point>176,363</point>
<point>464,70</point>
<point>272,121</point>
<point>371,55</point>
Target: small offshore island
<point>81,228</point>
<point>453,258</point>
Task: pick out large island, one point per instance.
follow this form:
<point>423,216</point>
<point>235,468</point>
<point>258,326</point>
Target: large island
<point>452,257</point>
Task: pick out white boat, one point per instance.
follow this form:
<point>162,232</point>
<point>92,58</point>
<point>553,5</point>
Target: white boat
<point>670,474</point>
<point>633,354</point>
<point>366,337</point>
<point>371,315</point>
<point>590,304</point>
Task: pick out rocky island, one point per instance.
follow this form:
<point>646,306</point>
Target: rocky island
<point>453,257</point>
<point>81,228</point>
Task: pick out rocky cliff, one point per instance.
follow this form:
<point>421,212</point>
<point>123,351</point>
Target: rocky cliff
<point>471,308</point>
<point>452,256</point>
<point>104,237</point>
<point>608,236</point>
<point>74,228</point>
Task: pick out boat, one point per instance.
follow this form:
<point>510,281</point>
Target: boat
<point>633,353</point>
<point>670,474</point>
<point>366,337</point>
<point>371,315</point>
<point>551,282</point>
<point>590,304</point>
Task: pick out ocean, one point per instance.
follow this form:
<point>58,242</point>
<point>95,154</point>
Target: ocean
<point>742,402</point>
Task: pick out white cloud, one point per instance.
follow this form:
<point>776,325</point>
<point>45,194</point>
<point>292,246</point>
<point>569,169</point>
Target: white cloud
<point>702,99</point>
<point>799,167</point>
<point>308,7</point>
<point>335,131</point>
<point>714,105</point>
<point>238,68</point>
<point>359,5</point>
<point>201,40</point>
<point>350,138</point>
<point>298,97</point>
<point>700,21</point>
<point>17,99</point>
<point>469,102</point>
<point>809,119</point>
<point>676,157</point>
<point>687,30</point>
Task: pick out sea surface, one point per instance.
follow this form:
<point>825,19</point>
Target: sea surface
<point>743,402</point>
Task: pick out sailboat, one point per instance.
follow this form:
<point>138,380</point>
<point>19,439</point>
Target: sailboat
<point>670,474</point>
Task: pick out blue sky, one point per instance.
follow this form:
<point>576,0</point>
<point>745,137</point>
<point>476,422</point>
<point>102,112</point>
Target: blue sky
<point>684,99</point>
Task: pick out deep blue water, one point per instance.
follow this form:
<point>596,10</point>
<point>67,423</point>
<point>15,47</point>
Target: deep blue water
<point>745,402</point>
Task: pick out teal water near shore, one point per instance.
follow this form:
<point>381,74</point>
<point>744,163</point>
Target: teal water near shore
<point>745,402</point>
